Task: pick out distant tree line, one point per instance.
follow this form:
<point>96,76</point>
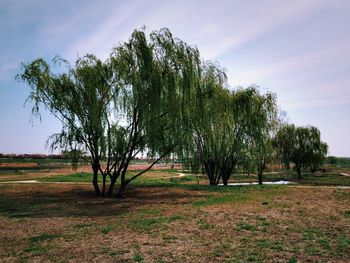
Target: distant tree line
<point>31,156</point>
<point>155,95</point>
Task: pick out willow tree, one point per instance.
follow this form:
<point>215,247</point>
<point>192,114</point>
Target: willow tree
<point>211,123</point>
<point>80,98</point>
<point>135,101</point>
<point>218,125</point>
<point>155,77</point>
<point>260,121</point>
<point>300,145</point>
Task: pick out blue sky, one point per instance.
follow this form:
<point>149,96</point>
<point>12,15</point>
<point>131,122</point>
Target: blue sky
<point>298,49</point>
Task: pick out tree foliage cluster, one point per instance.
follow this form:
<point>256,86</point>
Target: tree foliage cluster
<point>156,95</point>
<point>301,146</point>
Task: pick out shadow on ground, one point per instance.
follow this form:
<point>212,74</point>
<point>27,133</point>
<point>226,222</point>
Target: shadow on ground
<point>44,201</point>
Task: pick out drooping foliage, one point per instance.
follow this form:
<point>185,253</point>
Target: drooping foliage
<point>155,78</point>
<point>155,95</point>
<point>80,98</point>
<point>301,145</point>
<point>135,101</point>
<point>261,121</point>
<point>227,124</point>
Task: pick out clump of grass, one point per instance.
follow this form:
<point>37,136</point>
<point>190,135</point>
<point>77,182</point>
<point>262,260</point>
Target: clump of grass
<point>292,260</point>
<point>343,245</point>
<point>41,237</point>
<point>34,243</point>
<point>187,178</point>
<point>324,244</point>
<point>263,243</point>
<point>138,257</point>
<point>260,218</point>
<point>222,199</point>
<point>204,225</point>
<point>80,226</point>
<point>313,251</point>
<point>245,226</point>
<point>106,229</point>
<point>277,245</point>
<point>150,211</point>
<point>311,233</point>
<point>75,177</point>
<point>148,223</point>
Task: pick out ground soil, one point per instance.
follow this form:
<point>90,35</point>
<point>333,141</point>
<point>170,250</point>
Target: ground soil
<point>67,223</point>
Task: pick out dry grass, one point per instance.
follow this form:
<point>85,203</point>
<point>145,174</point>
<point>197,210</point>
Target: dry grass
<point>67,223</point>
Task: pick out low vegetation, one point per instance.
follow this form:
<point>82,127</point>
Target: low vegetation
<point>189,222</point>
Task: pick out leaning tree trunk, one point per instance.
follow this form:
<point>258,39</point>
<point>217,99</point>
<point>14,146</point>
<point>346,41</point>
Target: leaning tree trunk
<point>112,184</point>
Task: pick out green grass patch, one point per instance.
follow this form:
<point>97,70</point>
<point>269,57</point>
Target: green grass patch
<point>41,237</point>
<point>311,233</point>
<point>106,229</point>
<point>204,225</point>
<point>245,226</point>
<point>222,199</point>
<point>149,223</point>
<point>292,260</point>
<point>313,251</point>
<point>263,243</point>
<point>343,245</point>
<point>235,194</point>
<point>138,257</point>
<point>35,247</point>
<point>324,179</point>
<point>81,226</point>
<point>150,211</point>
<point>76,177</point>
<point>324,244</point>
<point>20,207</point>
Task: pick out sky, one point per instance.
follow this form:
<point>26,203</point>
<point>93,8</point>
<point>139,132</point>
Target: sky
<point>299,50</point>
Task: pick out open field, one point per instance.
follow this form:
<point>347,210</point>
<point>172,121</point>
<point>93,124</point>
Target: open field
<point>187,223</point>
<point>170,215</point>
<point>29,169</point>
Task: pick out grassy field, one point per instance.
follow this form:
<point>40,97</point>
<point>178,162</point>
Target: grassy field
<point>187,223</point>
<point>170,218</point>
<point>162,177</point>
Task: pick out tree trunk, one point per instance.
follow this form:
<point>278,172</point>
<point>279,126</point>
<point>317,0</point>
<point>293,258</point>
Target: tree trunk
<point>260,175</point>
<point>104,184</point>
<point>225,180</point>
<point>210,169</point>
<point>121,191</point>
<point>298,167</point>
<point>111,186</point>
<point>95,182</point>
<point>123,184</point>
